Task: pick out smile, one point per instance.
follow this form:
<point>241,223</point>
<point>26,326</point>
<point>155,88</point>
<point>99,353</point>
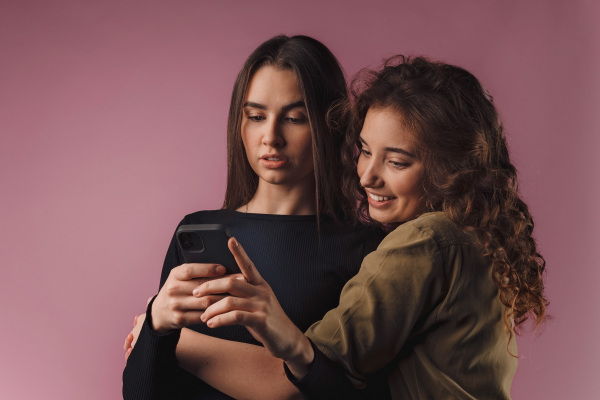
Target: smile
<point>379,198</point>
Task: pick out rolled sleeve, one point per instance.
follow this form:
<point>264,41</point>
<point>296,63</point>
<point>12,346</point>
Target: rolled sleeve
<point>397,286</point>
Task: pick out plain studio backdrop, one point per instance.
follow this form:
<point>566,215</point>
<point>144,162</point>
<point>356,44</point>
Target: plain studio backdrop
<point>112,124</point>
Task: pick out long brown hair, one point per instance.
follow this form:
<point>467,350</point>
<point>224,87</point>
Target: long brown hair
<point>323,85</point>
<point>468,174</point>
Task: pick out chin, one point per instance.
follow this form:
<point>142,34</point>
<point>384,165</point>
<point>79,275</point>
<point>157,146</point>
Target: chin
<point>381,217</point>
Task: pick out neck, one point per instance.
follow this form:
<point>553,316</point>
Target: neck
<point>282,200</point>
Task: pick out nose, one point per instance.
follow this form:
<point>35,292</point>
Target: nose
<point>272,135</point>
<point>369,174</point>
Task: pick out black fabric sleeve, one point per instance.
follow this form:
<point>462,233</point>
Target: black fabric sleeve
<point>149,373</point>
<point>328,380</point>
<point>325,380</point>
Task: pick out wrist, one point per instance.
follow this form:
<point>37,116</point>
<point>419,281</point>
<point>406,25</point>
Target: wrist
<point>301,359</point>
<point>154,322</point>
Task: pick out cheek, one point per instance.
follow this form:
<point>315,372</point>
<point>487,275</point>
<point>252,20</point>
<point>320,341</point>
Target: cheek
<point>246,145</point>
<point>248,134</point>
<point>414,188</point>
<point>410,187</point>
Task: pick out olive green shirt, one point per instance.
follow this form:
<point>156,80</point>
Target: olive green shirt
<point>425,310</point>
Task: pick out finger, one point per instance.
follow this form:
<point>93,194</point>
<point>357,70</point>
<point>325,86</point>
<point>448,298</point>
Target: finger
<point>128,340</point>
<point>235,285</point>
<point>235,317</point>
<point>206,301</point>
<point>135,321</point>
<point>191,303</point>
<point>127,353</point>
<point>227,305</point>
<point>174,288</point>
<point>246,265</point>
<point>188,318</point>
<point>140,321</point>
<point>186,272</point>
<point>134,341</point>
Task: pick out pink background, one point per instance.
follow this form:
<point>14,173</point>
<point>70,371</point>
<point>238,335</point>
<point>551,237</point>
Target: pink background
<point>112,124</point>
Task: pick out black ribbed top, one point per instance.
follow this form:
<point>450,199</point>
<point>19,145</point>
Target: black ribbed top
<point>305,270</point>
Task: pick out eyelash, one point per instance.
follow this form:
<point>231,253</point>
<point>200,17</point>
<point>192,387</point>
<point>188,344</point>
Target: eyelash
<point>399,165</point>
<point>395,164</point>
<point>295,121</point>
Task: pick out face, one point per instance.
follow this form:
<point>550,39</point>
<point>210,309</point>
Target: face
<point>388,168</point>
<point>275,128</point>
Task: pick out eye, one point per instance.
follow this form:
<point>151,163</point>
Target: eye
<point>296,121</point>
<point>256,118</point>
<point>399,165</point>
<point>365,152</point>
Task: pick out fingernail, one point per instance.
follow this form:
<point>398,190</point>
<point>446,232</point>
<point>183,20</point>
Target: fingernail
<point>196,292</point>
<point>219,269</point>
<point>235,242</point>
<point>240,278</point>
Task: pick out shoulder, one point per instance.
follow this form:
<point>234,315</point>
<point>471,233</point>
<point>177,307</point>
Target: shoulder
<point>433,229</point>
<point>206,217</point>
<point>366,235</point>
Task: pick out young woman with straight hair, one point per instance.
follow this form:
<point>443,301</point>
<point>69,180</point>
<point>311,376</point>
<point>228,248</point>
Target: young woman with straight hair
<point>284,200</point>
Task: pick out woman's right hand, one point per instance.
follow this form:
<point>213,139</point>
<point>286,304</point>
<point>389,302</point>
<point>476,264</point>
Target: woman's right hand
<point>175,307</point>
<point>253,304</point>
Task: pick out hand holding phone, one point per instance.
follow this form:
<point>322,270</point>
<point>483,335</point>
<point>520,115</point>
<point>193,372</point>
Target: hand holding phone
<point>206,244</point>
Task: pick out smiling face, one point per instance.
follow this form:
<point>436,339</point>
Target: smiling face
<point>275,128</point>
<point>388,168</point>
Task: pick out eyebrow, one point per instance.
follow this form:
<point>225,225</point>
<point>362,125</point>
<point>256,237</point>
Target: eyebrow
<point>287,107</point>
<point>393,149</point>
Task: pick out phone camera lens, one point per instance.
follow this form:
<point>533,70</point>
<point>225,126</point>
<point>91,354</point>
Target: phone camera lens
<point>186,241</point>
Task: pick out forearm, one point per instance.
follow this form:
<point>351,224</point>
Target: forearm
<point>241,370</point>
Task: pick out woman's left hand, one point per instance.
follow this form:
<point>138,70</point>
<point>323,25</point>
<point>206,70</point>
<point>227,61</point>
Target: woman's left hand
<point>130,340</point>
<point>253,304</point>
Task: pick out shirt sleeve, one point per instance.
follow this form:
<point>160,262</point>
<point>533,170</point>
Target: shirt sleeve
<point>151,366</point>
<point>327,380</point>
<point>152,370</point>
<point>396,288</point>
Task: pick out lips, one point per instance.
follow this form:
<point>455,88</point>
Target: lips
<point>376,200</point>
<point>273,161</point>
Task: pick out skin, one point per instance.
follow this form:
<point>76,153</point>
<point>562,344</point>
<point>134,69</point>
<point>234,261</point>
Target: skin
<point>278,142</point>
<point>389,170</point>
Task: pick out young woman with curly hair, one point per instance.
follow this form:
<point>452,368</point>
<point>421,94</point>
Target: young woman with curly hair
<point>433,310</point>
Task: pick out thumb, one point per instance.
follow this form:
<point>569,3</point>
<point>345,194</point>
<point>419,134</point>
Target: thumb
<point>246,265</point>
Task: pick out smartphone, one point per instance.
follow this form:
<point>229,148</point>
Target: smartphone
<point>206,244</point>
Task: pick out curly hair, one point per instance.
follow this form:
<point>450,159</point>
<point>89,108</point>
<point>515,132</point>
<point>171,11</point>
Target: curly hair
<point>459,138</point>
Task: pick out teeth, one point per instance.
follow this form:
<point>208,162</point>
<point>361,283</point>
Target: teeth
<point>272,159</point>
<point>379,198</point>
